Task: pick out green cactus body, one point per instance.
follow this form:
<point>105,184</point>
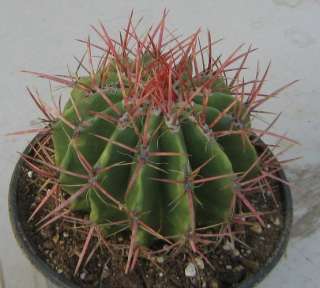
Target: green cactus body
<point>150,164</point>
<point>175,198</point>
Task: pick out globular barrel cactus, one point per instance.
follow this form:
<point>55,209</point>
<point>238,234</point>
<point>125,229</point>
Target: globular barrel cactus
<point>154,141</point>
<point>149,147</point>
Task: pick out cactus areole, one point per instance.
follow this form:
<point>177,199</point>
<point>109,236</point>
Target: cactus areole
<point>155,140</point>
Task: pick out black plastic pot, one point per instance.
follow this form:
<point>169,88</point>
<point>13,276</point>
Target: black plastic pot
<point>15,199</point>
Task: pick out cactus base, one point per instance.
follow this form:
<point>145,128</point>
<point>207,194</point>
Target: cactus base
<point>28,239</point>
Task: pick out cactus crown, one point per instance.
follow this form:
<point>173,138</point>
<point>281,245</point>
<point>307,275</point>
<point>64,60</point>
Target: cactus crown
<point>156,139</point>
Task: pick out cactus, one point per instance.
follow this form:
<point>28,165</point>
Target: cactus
<point>150,144</point>
<point>159,157</point>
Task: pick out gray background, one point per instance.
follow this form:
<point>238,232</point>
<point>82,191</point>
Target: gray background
<point>39,35</point>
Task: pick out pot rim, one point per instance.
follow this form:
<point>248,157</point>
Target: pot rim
<point>59,279</point>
